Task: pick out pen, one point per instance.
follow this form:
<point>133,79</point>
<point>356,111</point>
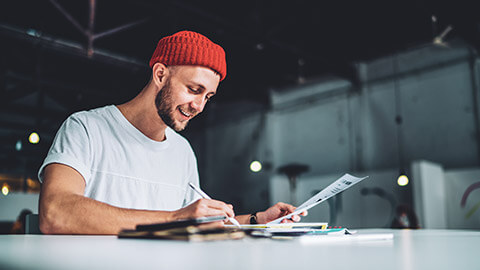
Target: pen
<point>205,196</point>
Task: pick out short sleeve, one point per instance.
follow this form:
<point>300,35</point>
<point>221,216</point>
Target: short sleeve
<point>71,147</point>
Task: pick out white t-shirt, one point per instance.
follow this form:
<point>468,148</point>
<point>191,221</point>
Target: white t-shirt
<point>123,167</point>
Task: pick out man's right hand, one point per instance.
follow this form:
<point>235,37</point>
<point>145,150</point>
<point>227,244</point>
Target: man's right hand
<point>203,208</point>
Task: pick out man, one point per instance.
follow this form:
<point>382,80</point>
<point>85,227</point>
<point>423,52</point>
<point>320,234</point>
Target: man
<point>114,167</point>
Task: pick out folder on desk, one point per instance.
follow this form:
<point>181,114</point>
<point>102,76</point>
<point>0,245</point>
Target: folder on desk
<point>269,230</point>
<point>195,230</point>
<point>285,226</point>
<point>294,226</point>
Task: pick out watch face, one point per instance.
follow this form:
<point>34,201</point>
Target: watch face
<point>253,219</point>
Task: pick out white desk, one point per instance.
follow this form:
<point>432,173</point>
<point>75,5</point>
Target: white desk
<point>410,249</point>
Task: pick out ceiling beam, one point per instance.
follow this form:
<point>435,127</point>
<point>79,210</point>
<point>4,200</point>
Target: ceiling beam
<point>73,48</point>
<point>55,85</point>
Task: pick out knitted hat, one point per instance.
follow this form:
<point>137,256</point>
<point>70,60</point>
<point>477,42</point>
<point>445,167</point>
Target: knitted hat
<point>190,48</point>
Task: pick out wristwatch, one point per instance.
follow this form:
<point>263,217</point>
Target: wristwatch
<point>253,219</point>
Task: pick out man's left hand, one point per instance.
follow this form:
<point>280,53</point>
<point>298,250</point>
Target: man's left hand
<point>279,210</point>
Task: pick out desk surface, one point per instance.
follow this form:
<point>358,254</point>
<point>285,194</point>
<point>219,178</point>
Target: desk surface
<point>409,249</point>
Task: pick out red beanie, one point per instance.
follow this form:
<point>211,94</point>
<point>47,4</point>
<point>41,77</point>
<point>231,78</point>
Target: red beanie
<point>190,48</point>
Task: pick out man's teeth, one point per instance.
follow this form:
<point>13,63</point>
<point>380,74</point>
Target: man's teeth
<point>184,113</point>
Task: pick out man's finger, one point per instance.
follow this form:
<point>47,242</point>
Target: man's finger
<point>286,207</point>
<point>285,220</point>
<point>222,207</point>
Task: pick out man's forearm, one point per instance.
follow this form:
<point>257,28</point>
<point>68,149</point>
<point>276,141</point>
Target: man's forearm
<point>76,214</point>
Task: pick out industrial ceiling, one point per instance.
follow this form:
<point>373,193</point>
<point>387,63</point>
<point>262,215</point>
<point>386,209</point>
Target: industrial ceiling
<point>61,56</point>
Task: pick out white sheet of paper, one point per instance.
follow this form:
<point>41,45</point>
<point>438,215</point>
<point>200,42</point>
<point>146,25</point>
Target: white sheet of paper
<point>333,189</point>
<point>379,238</point>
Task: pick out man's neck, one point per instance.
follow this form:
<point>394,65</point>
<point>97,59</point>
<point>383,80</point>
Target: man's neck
<point>141,112</point>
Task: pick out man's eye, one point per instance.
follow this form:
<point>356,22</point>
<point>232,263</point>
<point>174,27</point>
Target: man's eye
<point>194,90</point>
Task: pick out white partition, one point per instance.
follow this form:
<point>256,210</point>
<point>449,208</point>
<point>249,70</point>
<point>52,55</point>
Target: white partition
<point>429,195</point>
<point>457,182</point>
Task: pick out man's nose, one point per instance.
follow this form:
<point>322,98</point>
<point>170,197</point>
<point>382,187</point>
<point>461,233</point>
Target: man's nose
<point>198,104</point>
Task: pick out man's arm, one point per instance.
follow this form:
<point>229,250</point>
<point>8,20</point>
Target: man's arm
<point>63,209</point>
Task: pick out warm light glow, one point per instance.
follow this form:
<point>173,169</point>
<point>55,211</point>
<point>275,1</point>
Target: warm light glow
<point>31,183</point>
<point>402,180</point>
<point>5,189</point>
<point>34,138</point>
<point>255,166</point>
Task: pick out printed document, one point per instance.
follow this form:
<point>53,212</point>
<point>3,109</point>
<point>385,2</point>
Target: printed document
<point>336,187</point>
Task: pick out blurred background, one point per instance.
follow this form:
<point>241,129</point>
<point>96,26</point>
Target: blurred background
<point>315,89</point>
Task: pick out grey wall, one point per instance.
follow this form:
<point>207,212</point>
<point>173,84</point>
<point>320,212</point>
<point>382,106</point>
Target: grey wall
<point>351,208</point>
<point>12,204</point>
<point>342,127</point>
<point>334,126</point>
<point>233,137</point>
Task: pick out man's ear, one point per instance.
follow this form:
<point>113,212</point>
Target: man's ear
<point>159,72</point>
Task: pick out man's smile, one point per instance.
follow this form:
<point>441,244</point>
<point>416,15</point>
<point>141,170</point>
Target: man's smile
<point>186,114</point>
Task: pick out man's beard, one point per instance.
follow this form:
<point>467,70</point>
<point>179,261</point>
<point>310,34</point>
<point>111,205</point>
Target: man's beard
<point>166,110</point>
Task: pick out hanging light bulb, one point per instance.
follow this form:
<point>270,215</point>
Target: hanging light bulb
<point>5,189</point>
<point>34,138</point>
<point>255,166</point>
<point>402,180</point>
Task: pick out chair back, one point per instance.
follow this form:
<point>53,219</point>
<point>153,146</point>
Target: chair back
<point>32,224</point>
